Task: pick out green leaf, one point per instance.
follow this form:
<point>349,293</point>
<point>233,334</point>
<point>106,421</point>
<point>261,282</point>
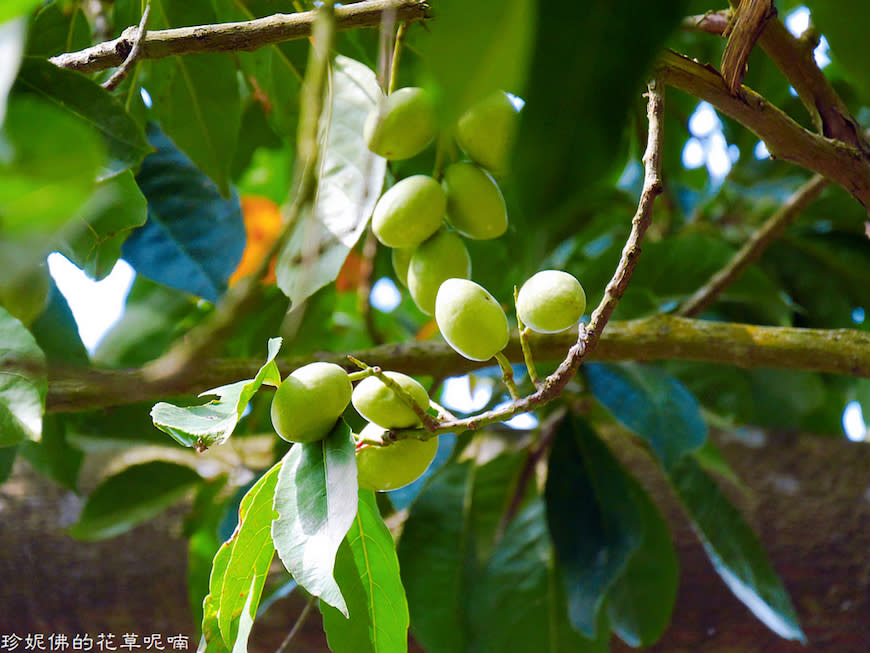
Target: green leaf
<point>53,456</point>
<point>736,553</point>
<point>518,604</point>
<point>194,238</point>
<point>842,24</point>
<point>196,97</point>
<point>90,104</point>
<point>12,37</point>
<point>211,634</point>
<point>131,497</point>
<point>640,602</point>
<point>657,407</point>
<point>23,383</point>
<point>350,181</point>
<point>578,98</point>
<point>367,571</point>
<point>434,553</point>
<point>212,423</point>
<point>58,28</point>
<point>594,520</point>
<point>251,554</point>
<point>57,333</point>
<point>464,63</point>
<point>48,169</point>
<point>12,8</point>
<point>93,240</point>
<point>316,500</point>
<point>7,461</point>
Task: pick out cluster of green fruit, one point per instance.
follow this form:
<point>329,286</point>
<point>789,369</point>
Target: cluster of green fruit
<point>311,399</point>
<point>423,220</point>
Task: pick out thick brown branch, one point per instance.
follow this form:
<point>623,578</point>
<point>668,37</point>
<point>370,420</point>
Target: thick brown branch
<point>754,247</point>
<point>843,163</point>
<point>746,25</point>
<point>232,37</point>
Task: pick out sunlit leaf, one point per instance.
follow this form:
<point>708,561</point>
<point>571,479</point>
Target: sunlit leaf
<point>23,383</point>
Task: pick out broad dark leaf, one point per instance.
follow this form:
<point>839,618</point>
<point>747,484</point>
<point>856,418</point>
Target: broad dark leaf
<point>57,29</point>
<point>53,456</point>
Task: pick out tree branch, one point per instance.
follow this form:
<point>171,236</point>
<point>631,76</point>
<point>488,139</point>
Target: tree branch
<point>233,37</point>
<point>785,139</point>
<point>743,30</point>
<point>754,247</point>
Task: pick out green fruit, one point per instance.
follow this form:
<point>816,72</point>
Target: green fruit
<point>487,130</point>
<point>309,401</point>
<point>475,205</point>
<point>393,466</point>
<point>401,259</point>
<point>409,212</point>
<point>403,125</point>
<point>380,405</point>
<point>442,257</point>
<point>551,301</point>
<point>470,319</point>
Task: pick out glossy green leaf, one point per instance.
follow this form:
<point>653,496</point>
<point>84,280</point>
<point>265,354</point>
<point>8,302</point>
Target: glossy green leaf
<point>50,162</point>
<point>212,423</point>
<point>211,641</point>
<point>594,520</point>
<point>350,181</point>
<point>131,497</point>
<point>58,27</point>
<point>367,571</point>
<point>94,237</point>
<point>87,102</point>
<point>518,605</point>
<point>248,564</point>
<point>23,383</point>
<point>12,34</point>
<point>735,551</point>
<point>194,237</point>
<point>463,63</point>
<point>657,407</point>
<point>640,602</point>
<point>434,553</point>
<point>12,8</point>
<point>316,500</point>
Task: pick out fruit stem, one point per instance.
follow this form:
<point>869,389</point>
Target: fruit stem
<point>507,375</point>
<point>397,50</point>
<point>359,376</point>
<point>524,344</point>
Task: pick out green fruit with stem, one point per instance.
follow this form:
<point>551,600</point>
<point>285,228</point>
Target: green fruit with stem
<point>380,405</point>
<point>403,125</point>
<point>551,301</point>
<point>401,259</point>
<point>471,320</point>
<point>309,401</point>
<point>410,212</point>
<point>475,205</point>
<point>395,465</point>
<point>486,132</point>
<point>442,257</point>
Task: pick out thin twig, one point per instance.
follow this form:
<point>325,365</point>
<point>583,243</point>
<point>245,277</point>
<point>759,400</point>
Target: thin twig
<point>747,23</point>
<point>112,83</point>
<point>526,347</point>
<point>206,336</point>
<point>300,621</point>
<point>234,37</point>
<point>397,55</point>
<point>507,375</point>
<point>752,250</point>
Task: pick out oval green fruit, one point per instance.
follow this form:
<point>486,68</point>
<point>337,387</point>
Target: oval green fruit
<point>410,212</point>
<point>401,259</point>
<point>487,130</point>
<point>442,257</point>
<point>309,401</point>
<point>471,320</point>
<point>380,405</point>
<point>551,301</point>
<point>403,126</point>
<point>395,465</point>
<point>475,205</point>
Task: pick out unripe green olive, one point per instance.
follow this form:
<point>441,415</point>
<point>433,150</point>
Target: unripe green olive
<point>409,212</point>
<point>487,130</point>
<point>380,405</point>
<point>442,257</point>
<point>393,466</point>
<point>403,125</point>
<point>309,401</point>
<point>401,259</point>
<point>475,205</point>
<point>551,301</point>
<point>471,320</point>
